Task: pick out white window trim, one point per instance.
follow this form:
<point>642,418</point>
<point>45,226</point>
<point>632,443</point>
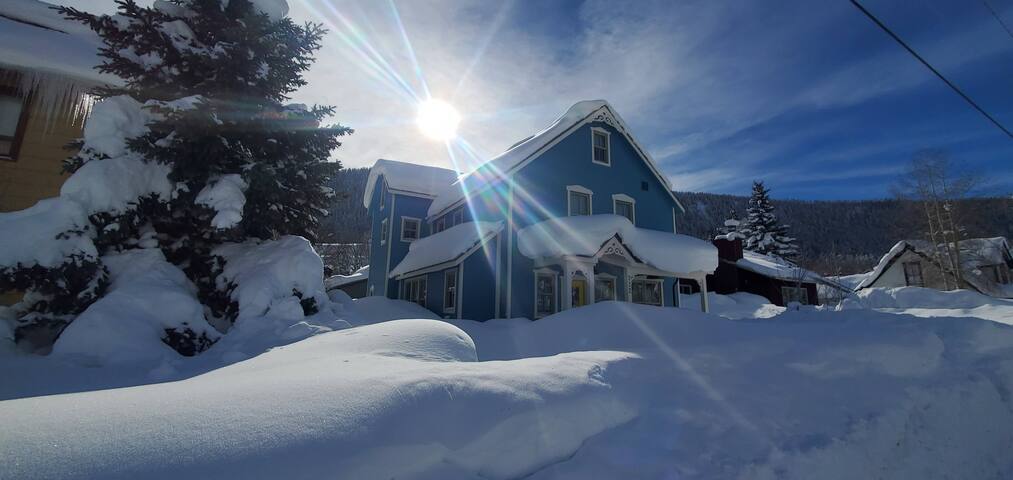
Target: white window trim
<point>579,189</point>
<point>675,228</point>
<point>622,197</point>
<point>447,273</point>
<point>383,196</point>
<point>555,292</point>
<point>418,228</point>
<point>607,277</point>
<point>383,237</point>
<point>437,223</point>
<point>608,146</point>
<point>457,213</point>
<point>661,289</point>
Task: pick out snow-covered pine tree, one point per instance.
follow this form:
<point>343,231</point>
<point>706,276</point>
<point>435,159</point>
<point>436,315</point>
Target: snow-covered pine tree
<point>730,229</point>
<point>200,119</point>
<point>761,229</point>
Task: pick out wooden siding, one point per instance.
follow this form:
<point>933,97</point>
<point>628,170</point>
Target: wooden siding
<point>36,172</point>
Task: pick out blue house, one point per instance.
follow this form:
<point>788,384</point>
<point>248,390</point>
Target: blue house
<point>576,214</point>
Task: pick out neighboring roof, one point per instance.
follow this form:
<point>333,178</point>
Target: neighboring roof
<point>410,178</point>
<point>774,267</point>
<point>586,235</point>
<point>446,247</point>
<point>335,281</point>
<point>530,148</point>
<point>34,37</point>
<point>974,253</point>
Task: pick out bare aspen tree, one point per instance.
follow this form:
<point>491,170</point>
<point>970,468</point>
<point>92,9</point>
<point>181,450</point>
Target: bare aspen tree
<point>936,184</point>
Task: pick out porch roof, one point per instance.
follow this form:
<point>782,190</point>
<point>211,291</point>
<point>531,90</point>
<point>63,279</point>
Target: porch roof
<point>584,236</point>
<point>446,247</point>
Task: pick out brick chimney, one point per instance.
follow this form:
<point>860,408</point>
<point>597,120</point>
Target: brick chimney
<point>730,250</point>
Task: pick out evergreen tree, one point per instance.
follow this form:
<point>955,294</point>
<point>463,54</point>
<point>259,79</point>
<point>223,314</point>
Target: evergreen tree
<point>213,76</point>
<point>761,229</point>
<point>730,228</point>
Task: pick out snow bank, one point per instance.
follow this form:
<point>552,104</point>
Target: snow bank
<point>377,309</point>
<point>407,177</point>
<point>35,235</point>
<point>927,302</point>
<point>267,274</point>
<point>446,246</point>
<point>586,235</point>
<point>395,400</point>
<point>147,296</point>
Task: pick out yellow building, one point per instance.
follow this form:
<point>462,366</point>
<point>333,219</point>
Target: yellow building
<point>46,69</point>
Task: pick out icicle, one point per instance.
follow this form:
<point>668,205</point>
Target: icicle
<point>54,95</point>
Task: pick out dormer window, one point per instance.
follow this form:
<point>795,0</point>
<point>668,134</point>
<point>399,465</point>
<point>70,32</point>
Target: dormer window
<point>578,201</point>
<point>600,147</point>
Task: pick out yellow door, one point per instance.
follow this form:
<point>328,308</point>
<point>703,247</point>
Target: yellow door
<point>579,293</point>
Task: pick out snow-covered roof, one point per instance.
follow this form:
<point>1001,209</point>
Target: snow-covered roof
<point>409,178</point>
<point>974,253</point>
<point>447,246</point>
<point>774,267</point>
<point>528,149</point>
<point>336,281</point>
<point>35,38</point>
<point>586,235</point>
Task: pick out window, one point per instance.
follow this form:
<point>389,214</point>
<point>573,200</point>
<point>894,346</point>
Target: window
<point>604,287</point>
<point>383,195</point>
<point>624,205</point>
<point>409,229</point>
<point>384,231</point>
<point>685,289</point>
<point>458,217</point>
<point>440,225</point>
<point>415,290</point>
<point>450,290</point>
<point>647,291</point>
<point>545,293</point>
<point>12,125</point>
<point>795,294</point>
<point>578,200</point>
<point>645,186</point>
<point>913,274</point>
<point>600,147</point>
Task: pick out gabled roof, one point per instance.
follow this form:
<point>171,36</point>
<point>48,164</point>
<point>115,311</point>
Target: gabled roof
<point>446,248</point>
<point>529,149</point>
<point>974,253</point>
<point>408,178</point>
<point>586,235</point>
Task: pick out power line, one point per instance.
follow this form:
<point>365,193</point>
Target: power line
<point>997,17</point>
<point>941,77</point>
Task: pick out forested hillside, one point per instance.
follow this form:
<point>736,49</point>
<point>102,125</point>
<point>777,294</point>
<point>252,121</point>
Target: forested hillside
<point>834,236</point>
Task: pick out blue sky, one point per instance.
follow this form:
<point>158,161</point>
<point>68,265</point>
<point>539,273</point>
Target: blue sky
<point>809,96</point>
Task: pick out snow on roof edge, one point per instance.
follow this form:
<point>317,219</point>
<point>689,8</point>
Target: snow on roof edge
<point>532,147</point>
<point>389,168</point>
<point>450,245</point>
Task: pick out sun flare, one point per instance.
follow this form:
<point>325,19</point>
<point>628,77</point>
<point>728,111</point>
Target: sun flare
<point>438,120</point>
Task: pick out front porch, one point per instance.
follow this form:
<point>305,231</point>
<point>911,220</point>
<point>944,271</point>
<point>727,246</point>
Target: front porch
<point>582,260</point>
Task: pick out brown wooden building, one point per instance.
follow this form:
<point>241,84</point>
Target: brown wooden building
<point>776,279</point>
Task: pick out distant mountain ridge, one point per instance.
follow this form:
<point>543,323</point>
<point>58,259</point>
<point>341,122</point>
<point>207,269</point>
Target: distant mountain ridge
<point>835,236</point>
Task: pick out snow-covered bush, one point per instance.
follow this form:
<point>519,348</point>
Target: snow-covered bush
<point>194,168</point>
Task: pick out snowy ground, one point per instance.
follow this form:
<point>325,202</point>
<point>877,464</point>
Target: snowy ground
<point>609,391</point>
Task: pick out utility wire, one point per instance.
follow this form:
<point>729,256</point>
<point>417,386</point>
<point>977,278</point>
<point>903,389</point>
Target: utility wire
<point>997,17</point>
<point>941,77</point>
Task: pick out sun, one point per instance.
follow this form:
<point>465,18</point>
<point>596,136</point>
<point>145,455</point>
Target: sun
<point>438,120</point>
